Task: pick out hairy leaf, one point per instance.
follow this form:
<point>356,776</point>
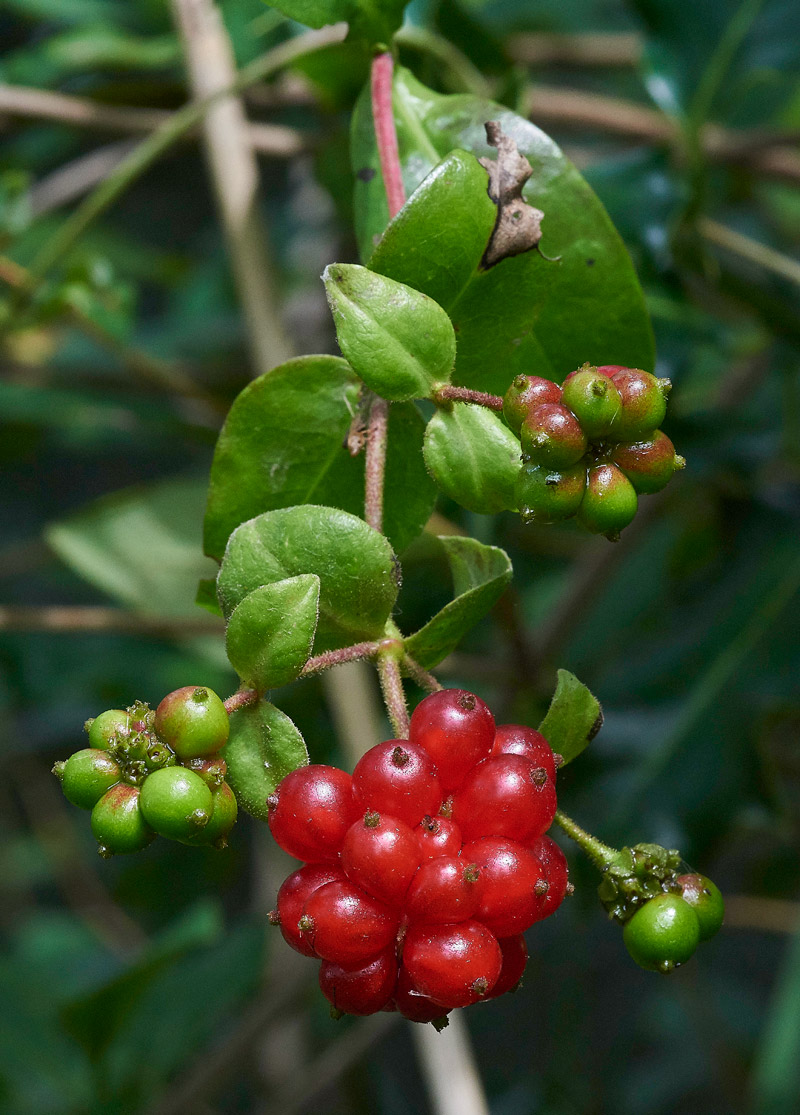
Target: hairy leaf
<point>573,719</point>
<point>263,747</point>
<point>271,632</point>
<point>473,457</point>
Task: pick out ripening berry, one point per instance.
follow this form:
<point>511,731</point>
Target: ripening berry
<point>438,836</point>
<point>359,991</point>
<point>295,891</point>
<point>505,796</point>
<point>594,400</point>
<point>515,957</point>
<point>524,394</point>
<point>648,464</point>
<point>513,886</point>
<point>311,810</point>
<point>380,854</point>
<point>118,823</point>
<point>517,739</point>
<point>176,803</point>
<point>456,729</point>
<point>444,890</point>
<point>609,502</point>
<point>398,778</point>
<point>107,727</point>
<point>212,770</point>
<point>644,403</point>
<point>546,495</point>
<point>706,901</point>
<point>663,933</point>
<point>86,776</point>
<point>551,435</point>
<point>223,817</point>
<point>454,965</point>
<point>344,924</point>
<point>193,721</point>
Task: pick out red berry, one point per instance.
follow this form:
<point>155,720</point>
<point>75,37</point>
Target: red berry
<point>516,739</point>
<point>551,435</point>
<point>380,854</point>
<point>342,923</point>
<point>438,836</point>
<point>454,965</point>
<point>650,463</point>
<point>505,796</point>
<point>456,729</point>
<point>398,778</point>
<point>359,990</point>
<point>513,885</point>
<point>295,891</point>
<point>412,1004</point>
<point>556,872</point>
<point>525,393</point>
<point>311,810</point>
<point>515,957</point>
<point>644,403</point>
<point>444,890</point>
<point>609,502</point>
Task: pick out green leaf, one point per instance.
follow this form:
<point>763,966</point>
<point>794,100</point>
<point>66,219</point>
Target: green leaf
<point>573,719</point>
<point>473,457</point>
<point>524,314</point>
<point>400,342</point>
<point>355,566</point>
<point>141,546</point>
<point>376,20</point>
<point>480,576</point>
<point>270,634</point>
<point>263,746</point>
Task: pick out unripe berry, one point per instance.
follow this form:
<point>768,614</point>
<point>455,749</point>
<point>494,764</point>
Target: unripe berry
<point>594,400</point>
<point>103,729</point>
<point>398,778</point>
<point>454,965</point>
<point>295,891</point>
<point>547,495</point>
<point>311,810</point>
<point>644,403</point>
<point>118,824</point>
<point>342,923</point>
<point>456,729</point>
<point>609,502</point>
<point>223,817</point>
<point>359,991</point>
<point>193,721</point>
<point>524,394</point>
<point>505,796</point>
<point>648,464</point>
<point>551,435</point>
<point>86,776</point>
<point>706,901</point>
<point>517,739</point>
<point>515,957</point>
<point>176,802</point>
<point>438,836</point>
<point>513,886</point>
<point>663,933</point>
<point>444,890</point>
<point>380,854</point>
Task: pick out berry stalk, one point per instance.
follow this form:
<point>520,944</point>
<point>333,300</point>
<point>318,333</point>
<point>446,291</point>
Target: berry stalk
<point>601,855</point>
<point>450,394</point>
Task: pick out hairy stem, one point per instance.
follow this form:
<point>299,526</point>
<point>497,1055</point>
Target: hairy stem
<point>599,853</point>
<point>240,699</point>
<point>420,675</point>
<point>393,695</point>
<point>467,395</point>
<point>332,658</point>
<point>375,462</point>
<point>386,133</point>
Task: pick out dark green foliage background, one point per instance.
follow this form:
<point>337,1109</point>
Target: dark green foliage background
<point>119,980</point>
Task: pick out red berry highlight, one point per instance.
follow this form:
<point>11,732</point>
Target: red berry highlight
<point>513,885</point>
<point>438,836</point>
<point>444,890</point>
<point>456,729</point>
<point>340,922</point>
<point>398,778</point>
<point>311,810</point>
<point>381,854</point>
<point>454,965</point>
<point>505,796</point>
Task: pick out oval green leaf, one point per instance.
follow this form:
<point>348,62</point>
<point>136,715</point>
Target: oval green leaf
<point>573,719</point>
<point>473,457</point>
<point>271,633</point>
<point>355,565</point>
<point>264,745</point>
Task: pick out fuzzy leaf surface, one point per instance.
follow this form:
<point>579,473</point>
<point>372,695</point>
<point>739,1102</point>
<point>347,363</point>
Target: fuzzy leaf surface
<point>355,566</point>
<point>271,632</point>
<point>480,576</point>
<point>573,719</point>
<point>473,457</point>
<point>399,341</point>
<point>264,745</point>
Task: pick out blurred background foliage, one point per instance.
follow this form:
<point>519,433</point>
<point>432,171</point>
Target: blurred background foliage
<point>149,983</point>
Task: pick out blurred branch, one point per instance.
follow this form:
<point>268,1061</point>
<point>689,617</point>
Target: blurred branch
<point>752,250</point>
<point>72,180</point>
<point>100,620</point>
<point>448,1066</point>
<point>772,915</point>
<point>592,49</point>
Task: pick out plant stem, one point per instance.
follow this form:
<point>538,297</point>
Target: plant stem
<point>330,658</point>
<point>467,395</point>
<point>240,699</point>
<point>599,853</point>
<point>421,676</point>
<point>393,695</point>
<point>375,462</point>
<point>386,133</point>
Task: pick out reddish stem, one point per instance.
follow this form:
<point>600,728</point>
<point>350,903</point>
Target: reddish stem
<point>467,395</point>
<point>331,658</point>
<point>385,132</point>
<point>393,695</point>
<point>421,676</point>
<point>375,462</point>
<point>240,699</point>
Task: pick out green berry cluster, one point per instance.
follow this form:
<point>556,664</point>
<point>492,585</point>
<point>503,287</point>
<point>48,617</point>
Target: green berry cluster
<point>591,446</point>
<point>666,930</point>
<point>151,772</point>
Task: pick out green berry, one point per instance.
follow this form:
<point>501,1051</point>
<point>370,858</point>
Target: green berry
<point>545,495</point>
<point>106,728</point>
<point>593,399</point>
<point>86,776</point>
<point>193,721</point>
<point>523,395</point>
<point>222,820</point>
<point>551,435</point>
<point>211,770</point>
<point>706,901</point>
<point>644,403</point>
<point>117,822</point>
<point>609,502</point>
<point>176,802</point>
<point>663,933</point>
<point>649,464</point>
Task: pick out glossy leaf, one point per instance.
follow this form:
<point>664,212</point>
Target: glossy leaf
<point>480,576</point>
<point>355,566</point>
<point>376,20</point>
<point>526,313</point>
<point>573,719</point>
<point>399,341</point>
<point>271,632</point>
<point>473,457</point>
<point>263,747</point>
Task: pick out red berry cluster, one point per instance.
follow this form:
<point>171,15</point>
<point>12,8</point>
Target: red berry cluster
<point>590,446</point>
<point>424,868</point>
